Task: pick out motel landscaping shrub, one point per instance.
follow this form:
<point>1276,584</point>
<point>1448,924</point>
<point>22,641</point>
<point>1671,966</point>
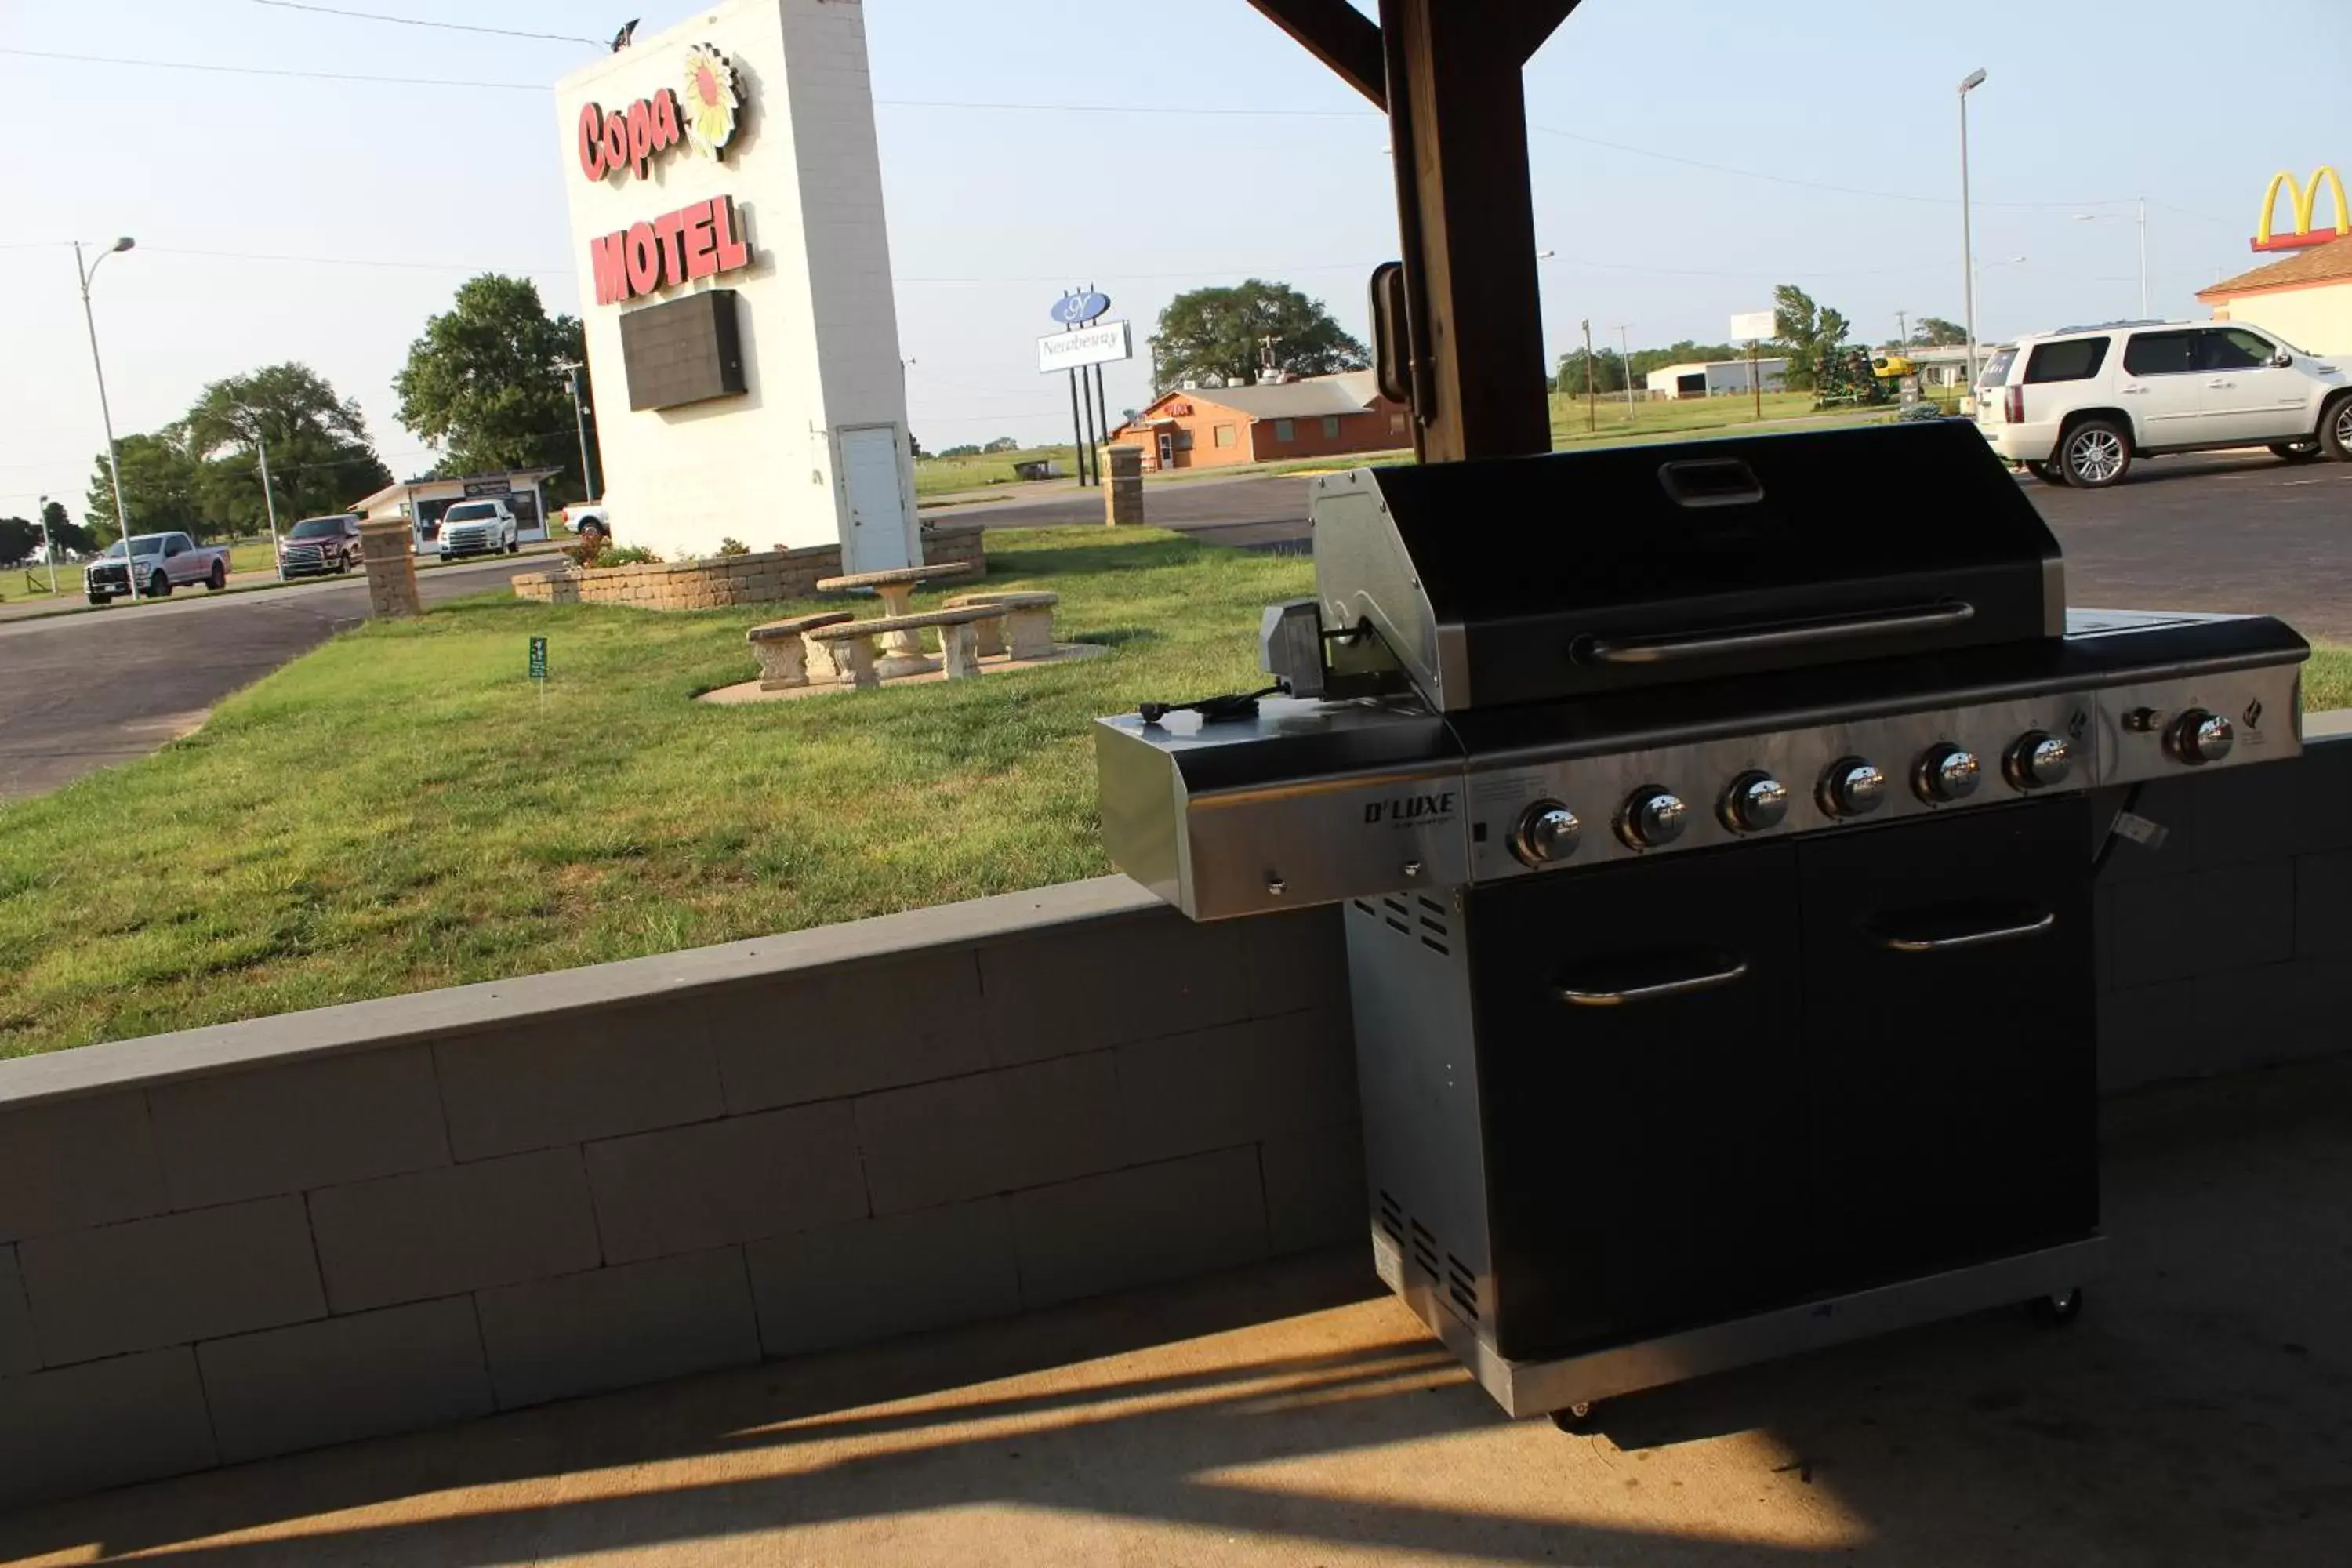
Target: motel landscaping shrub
<point>403,808</point>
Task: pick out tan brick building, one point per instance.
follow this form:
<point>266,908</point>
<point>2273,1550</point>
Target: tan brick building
<point>1323,415</point>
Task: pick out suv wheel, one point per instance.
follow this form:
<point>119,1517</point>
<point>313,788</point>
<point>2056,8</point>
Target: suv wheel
<point>159,586</point>
<point>2094,454</point>
<point>2335,429</point>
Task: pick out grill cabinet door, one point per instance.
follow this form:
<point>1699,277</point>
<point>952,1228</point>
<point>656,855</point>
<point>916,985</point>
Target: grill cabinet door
<point>1646,1158</point>
<point>1950,1037</point>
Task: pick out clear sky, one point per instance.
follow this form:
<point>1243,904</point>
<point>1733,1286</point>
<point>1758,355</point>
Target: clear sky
<point>2090,103</point>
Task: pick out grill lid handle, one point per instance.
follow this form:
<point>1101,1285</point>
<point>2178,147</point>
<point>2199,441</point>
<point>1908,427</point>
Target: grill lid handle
<point>1761,637</point>
<point>1726,971</point>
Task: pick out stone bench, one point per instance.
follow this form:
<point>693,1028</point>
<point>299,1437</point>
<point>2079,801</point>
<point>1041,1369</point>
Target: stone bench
<point>1025,628</point>
<point>784,650</point>
<point>851,645</point>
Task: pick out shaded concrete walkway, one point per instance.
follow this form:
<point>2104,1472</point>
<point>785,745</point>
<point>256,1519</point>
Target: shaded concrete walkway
<point>2200,1413</point>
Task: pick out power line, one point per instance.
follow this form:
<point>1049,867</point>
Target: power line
<point>267,71</point>
<point>354,262</point>
<point>420,22</point>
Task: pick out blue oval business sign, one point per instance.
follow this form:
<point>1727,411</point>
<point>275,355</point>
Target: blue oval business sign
<point>1077,309</point>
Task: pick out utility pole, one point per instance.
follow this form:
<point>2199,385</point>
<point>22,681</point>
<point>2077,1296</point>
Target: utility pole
<point>1625,364</point>
<point>268,498</point>
<point>579,421</point>
<point>2144,313</point>
<point>1903,328</point>
<point>1591,399</point>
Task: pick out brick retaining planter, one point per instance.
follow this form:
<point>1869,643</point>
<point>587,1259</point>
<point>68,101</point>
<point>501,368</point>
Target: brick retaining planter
<point>761,578</point>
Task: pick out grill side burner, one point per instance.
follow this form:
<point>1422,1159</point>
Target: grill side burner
<point>1671,818</point>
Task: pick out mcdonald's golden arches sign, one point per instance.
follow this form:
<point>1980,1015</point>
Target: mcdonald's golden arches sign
<point>2303,199</point>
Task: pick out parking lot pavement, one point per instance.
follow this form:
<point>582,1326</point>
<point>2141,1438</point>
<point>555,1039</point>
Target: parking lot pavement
<point>83,691</point>
<point>2238,532</point>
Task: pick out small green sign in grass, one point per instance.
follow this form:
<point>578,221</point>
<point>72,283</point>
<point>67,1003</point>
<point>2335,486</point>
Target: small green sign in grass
<point>539,658</point>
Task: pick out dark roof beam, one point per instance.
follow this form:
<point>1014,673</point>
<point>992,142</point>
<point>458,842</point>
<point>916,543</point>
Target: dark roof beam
<point>1345,40</point>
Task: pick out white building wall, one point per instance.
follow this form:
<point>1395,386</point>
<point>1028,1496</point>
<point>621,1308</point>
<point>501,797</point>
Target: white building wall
<point>816,308</point>
<point>2316,320</point>
<point>1724,377</point>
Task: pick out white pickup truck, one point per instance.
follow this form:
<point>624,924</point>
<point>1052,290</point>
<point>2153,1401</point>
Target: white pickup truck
<point>164,562</point>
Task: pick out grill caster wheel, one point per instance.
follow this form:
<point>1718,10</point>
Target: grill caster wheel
<point>1576,1418</point>
<point>2056,1311</point>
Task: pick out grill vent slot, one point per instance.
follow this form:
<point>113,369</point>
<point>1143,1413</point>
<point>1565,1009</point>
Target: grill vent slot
<point>1391,1217</point>
<point>1461,1287</point>
<point>1425,1250</point>
<point>1365,907</point>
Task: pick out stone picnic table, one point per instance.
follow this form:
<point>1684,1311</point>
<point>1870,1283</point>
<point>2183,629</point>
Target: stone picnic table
<point>897,589</point>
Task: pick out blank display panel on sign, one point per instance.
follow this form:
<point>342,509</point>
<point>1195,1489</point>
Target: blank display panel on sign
<point>683,351</point>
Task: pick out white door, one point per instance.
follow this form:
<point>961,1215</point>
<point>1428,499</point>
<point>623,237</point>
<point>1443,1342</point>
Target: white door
<point>877,504</point>
<point>2162,385</point>
<point>2260,401</point>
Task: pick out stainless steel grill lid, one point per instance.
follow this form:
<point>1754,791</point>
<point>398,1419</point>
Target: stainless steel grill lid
<point>1526,579</point>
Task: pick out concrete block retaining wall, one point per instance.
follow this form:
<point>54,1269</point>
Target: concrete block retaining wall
<point>761,578</point>
<point>263,1237</point>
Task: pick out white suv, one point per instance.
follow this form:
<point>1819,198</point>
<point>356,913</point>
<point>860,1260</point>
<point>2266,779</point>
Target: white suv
<point>2076,407</point>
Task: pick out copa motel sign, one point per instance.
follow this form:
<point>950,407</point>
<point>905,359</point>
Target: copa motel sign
<point>702,240</point>
<point>2303,200</point>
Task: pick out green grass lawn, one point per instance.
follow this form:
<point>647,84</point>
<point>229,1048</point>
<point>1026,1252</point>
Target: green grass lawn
<point>402,809</point>
<point>943,475</point>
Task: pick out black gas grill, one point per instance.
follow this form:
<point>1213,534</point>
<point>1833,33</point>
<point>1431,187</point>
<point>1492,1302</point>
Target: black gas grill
<point>1716,826</point>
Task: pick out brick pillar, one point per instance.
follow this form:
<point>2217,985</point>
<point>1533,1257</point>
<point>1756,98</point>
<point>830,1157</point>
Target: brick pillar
<point>390,550</point>
<point>1123,497</point>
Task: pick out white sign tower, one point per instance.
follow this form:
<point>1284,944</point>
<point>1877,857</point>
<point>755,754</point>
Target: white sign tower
<point>726,195</point>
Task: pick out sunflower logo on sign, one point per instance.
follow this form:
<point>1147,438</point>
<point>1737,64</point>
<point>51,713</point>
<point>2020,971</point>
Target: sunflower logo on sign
<point>709,99</point>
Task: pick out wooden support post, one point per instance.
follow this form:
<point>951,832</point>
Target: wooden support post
<point>1449,77</point>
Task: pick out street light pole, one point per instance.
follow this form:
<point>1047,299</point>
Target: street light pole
<point>1625,364</point>
<point>1969,83</point>
<point>2143,259</point>
<point>49,548</point>
<point>269,498</point>
<point>113,465</point>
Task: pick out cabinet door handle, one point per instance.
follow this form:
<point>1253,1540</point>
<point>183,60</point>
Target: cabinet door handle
<point>1984,936</point>
<point>1581,996</point>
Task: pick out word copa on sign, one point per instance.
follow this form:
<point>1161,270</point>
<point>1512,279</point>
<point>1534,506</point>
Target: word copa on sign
<point>628,138</point>
<point>699,241</point>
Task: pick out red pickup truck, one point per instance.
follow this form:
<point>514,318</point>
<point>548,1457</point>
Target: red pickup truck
<point>164,562</point>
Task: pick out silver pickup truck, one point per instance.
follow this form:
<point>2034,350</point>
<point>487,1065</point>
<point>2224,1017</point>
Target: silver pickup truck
<point>164,562</point>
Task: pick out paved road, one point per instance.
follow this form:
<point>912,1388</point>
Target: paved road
<point>2222,533</point>
<point>80,693</point>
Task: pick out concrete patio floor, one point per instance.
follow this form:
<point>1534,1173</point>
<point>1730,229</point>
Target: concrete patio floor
<point>2200,1413</point>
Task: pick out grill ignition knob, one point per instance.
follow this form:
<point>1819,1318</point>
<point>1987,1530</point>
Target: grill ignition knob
<point>1547,831</point>
<point>2038,760</point>
<point>2198,736</point>
<point>1945,773</point>
<point>1654,818</point>
<point>1853,788</point>
<point>1755,802</point>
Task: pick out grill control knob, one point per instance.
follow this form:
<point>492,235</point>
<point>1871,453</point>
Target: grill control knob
<point>1654,818</point>
<point>2038,760</point>
<point>1547,831</point>
<point>1756,801</point>
<point>2198,736</point>
<point>1853,788</point>
<point>1945,773</point>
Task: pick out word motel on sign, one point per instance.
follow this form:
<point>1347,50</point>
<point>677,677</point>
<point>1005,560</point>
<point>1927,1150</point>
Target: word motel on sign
<point>699,241</point>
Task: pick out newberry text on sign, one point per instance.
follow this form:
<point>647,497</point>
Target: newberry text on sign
<point>1098,344</point>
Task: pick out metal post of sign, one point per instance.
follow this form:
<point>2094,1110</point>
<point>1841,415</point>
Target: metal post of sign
<point>1102,416</point>
<point>1077,436</point>
<point>1090,455</point>
<point>1755,386</point>
<point>1625,363</point>
<point>268,501</point>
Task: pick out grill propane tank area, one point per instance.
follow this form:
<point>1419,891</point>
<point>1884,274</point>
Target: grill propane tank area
<point>1677,815</point>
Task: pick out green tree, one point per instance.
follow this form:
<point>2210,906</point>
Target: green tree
<point>19,541</point>
<point>488,383</point>
<point>159,485</point>
<point>320,458</point>
<point>1236,333</point>
<point>1934,332</point>
<point>65,533</point>
<point>1608,373</point>
<point>1812,333</point>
